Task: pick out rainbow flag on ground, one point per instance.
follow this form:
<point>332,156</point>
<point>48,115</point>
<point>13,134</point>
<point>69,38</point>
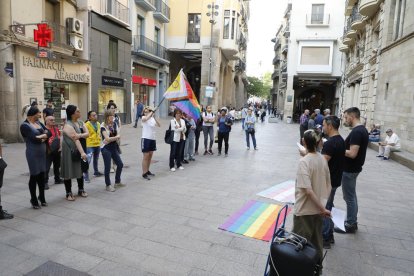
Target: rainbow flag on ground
<point>282,192</point>
<point>256,219</point>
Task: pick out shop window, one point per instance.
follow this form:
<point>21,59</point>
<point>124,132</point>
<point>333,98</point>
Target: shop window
<point>105,95</point>
<point>194,22</point>
<point>113,54</point>
<point>59,93</point>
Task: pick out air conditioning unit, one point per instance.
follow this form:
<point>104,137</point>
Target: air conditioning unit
<point>76,41</point>
<point>74,25</point>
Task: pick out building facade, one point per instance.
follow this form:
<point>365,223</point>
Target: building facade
<point>313,65</point>
<point>150,62</point>
<point>59,71</point>
<point>378,63</point>
<point>109,45</point>
<point>208,40</point>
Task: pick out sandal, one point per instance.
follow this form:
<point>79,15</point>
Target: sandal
<point>82,194</point>
<point>70,197</point>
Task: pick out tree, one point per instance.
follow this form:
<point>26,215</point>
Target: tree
<point>259,87</point>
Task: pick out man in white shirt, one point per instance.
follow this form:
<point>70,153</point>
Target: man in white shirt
<point>391,143</point>
<point>208,121</point>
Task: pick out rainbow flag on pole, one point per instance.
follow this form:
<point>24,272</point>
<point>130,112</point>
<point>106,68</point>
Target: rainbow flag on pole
<point>255,219</point>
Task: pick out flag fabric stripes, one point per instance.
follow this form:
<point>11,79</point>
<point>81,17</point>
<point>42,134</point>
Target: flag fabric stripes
<point>177,89</point>
<point>283,192</point>
<point>255,219</point>
<point>187,107</point>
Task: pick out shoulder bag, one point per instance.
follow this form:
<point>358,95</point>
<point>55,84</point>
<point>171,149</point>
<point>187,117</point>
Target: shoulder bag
<point>169,135</point>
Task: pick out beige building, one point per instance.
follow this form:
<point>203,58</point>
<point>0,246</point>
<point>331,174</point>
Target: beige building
<point>60,72</point>
<point>378,49</point>
<point>208,39</point>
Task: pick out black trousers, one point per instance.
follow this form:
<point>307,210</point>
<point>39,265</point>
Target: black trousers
<point>40,180</point>
<point>175,153</point>
<point>223,136</point>
<point>1,182</point>
<point>197,137</point>
<point>55,159</point>
<point>68,185</point>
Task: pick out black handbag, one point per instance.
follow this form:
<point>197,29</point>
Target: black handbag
<point>169,135</point>
<point>291,254</point>
<point>250,130</point>
<point>3,164</point>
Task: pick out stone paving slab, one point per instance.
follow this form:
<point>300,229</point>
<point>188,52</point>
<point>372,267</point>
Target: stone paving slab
<point>169,225</point>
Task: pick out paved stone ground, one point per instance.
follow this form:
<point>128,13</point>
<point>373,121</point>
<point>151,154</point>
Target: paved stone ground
<point>168,226</point>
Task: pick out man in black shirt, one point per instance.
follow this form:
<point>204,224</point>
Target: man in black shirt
<point>334,152</point>
<point>356,148</point>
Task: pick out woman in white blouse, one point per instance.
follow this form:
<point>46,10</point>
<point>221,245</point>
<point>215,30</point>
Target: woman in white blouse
<point>148,143</point>
<point>178,127</point>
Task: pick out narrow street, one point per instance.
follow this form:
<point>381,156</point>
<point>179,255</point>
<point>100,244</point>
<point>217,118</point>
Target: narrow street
<point>169,225</point>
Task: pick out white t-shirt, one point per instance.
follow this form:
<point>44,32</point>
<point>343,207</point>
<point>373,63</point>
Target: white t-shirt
<point>393,139</point>
<point>208,116</point>
<point>148,129</point>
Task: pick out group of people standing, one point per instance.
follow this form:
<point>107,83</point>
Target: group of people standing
<point>325,166</point>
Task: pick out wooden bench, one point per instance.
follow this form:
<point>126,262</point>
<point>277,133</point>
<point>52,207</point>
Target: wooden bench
<point>402,157</point>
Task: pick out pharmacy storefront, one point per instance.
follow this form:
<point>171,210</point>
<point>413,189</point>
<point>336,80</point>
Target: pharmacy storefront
<point>59,79</point>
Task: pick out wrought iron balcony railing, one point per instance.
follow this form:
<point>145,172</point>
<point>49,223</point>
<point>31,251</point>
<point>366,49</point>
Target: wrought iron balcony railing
<point>162,12</point>
<point>143,44</point>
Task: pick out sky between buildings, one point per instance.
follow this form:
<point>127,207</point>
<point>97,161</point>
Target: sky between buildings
<point>265,19</point>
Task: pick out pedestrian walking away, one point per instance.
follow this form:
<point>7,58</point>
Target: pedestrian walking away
<point>148,142</point>
<point>35,135</point>
<point>356,148</point>
<point>139,108</point>
<point>110,150</point>
<point>208,130</point>
<point>73,153</point>
<point>3,213</point>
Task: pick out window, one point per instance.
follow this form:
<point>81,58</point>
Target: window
<point>157,35</point>
<point>233,24</point>
<point>194,21</point>
<point>140,26</point>
<point>106,94</point>
<point>226,28</point>
<point>317,13</point>
<point>315,56</point>
<point>398,18</point>
<point>113,54</point>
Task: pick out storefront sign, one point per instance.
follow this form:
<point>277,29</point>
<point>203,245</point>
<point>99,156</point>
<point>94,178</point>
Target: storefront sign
<point>112,81</point>
<point>144,81</point>
<point>60,73</point>
<point>209,91</point>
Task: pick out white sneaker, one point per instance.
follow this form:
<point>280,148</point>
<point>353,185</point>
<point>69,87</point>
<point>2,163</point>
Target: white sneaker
<point>248,148</point>
<point>110,188</point>
<point>172,169</point>
<point>119,185</point>
<point>181,168</point>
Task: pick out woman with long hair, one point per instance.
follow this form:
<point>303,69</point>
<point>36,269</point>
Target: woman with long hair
<point>110,150</point>
<point>71,146</point>
<point>35,134</point>
<point>148,143</point>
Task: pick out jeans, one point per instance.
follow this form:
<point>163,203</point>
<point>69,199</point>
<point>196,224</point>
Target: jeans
<point>243,119</point>
<point>189,147</point>
<point>175,153</point>
<point>328,225</point>
<point>208,130</point>
<point>350,197</point>
<point>248,139</point>
<point>223,136</point>
<point>95,155</point>
<point>136,120</point>
<point>109,153</point>
<point>55,159</point>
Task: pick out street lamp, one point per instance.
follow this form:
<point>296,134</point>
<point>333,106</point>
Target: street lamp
<point>212,12</point>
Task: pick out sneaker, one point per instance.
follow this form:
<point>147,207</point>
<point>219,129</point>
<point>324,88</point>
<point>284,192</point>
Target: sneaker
<point>185,161</point>
<point>119,185</point>
<point>86,180</point>
<point>46,186</point>
<point>380,155</point>
<point>181,168</point>
<point>110,188</point>
<point>255,148</point>
<point>206,152</point>
<point>59,181</point>
<point>145,176</point>
<point>326,244</point>
<point>219,153</point>
<point>172,169</point>
<point>210,152</point>
<point>112,170</point>
<point>248,148</point>
<point>386,158</point>
<point>192,159</point>
<point>349,229</point>
<point>135,126</point>
<point>98,174</point>
<point>5,215</point>
<point>196,153</point>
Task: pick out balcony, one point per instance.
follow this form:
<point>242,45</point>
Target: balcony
<point>145,47</point>
<point>276,60</point>
<point>286,31</point>
<point>275,74</point>
<point>357,21</point>
<point>277,44</point>
<point>348,32</point>
<point>240,65</point>
<point>163,11</point>
<point>147,5</point>
<point>349,4</point>
<point>283,84</point>
<point>285,49</point>
<point>287,11</point>
<point>344,48</point>
<point>115,11</point>
<point>368,7</point>
<point>317,20</point>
